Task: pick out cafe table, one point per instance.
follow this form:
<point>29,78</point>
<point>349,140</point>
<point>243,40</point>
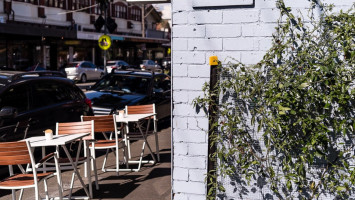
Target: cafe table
<point>135,118</point>
<point>61,141</point>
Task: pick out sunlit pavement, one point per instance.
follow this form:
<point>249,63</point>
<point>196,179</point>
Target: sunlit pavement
<point>152,182</point>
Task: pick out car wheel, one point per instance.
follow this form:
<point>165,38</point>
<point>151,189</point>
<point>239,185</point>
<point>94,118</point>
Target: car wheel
<point>83,78</point>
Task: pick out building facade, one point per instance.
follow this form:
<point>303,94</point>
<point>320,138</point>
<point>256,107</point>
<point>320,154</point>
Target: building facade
<point>230,29</point>
<point>52,32</point>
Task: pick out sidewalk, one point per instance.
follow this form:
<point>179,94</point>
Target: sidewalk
<point>152,182</point>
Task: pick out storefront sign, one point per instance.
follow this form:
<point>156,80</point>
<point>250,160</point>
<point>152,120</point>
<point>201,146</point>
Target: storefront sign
<point>221,3</point>
<point>72,42</point>
<point>104,42</point>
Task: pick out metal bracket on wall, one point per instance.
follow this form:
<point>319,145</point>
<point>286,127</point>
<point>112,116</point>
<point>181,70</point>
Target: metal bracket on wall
<point>212,4</point>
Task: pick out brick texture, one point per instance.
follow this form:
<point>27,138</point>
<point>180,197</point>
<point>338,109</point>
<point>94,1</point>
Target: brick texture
<point>234,35</point>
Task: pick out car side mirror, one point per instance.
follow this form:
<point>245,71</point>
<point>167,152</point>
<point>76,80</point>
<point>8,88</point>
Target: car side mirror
<point>8,112</point>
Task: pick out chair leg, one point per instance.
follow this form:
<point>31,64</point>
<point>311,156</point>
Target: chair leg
<point>117,161</point>
<point>21,194</point>
<point>46,188</point>
<point>71,185</point>
<point>37,192</point>
<point>157,146</point>
<point>13,194</point>
<point>104,163</point>
<point>95,171</point>
<point>141,157</point>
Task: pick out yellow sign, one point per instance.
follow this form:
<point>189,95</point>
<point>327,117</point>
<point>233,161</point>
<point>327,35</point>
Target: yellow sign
<point>169,51</point>
<point>213,60</point>
<point>105,42</point>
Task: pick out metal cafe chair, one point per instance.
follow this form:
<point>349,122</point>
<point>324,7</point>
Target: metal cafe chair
<point>107,124</point>
<point>19,153</point>
<point>64,162</point>
<point>142,109</point>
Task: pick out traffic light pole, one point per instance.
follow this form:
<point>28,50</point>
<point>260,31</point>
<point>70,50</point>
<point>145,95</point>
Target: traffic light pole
<point>105,32</point>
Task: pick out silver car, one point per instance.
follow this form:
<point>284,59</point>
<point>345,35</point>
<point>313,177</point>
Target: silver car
<point>116,64</point>
<point>150,65</point>
<point>83,71</point>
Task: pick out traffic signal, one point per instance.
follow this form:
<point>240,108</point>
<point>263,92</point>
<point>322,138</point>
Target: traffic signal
<point>111,25</point>
<point>99,23</point>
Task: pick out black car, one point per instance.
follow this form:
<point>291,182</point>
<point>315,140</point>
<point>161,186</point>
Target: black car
<point>31,102</point>
<point>120,88</point>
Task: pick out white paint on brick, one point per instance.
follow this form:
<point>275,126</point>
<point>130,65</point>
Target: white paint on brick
<point>198,150</point>
<point>186,110</point>
<point>205,17</point>
<point>224,30</point>
<point>189,187</point>
<point>180,44</point>
<point>198,71</point>
<point>191,162</point>
<point>265,44</point>
<point>197,175</point>
<point>190,136</point>
<point>181,5</point>
<point>181,174</point>
<point>265,30</point>
<point>193,95</point>
<point>189,83</point>
<point>180,70</point>
<point>180,149</point>
<point>180,196</point>
<point>192,31</point>
<point>241,44</point>
<point>205,44</point>
<point>180,122</point>
<point>240,16</point>
<point>252,57</point>
<point>180,18</point>
<point>189,57</point>
<point>198,123</point>
<point>269,15</point>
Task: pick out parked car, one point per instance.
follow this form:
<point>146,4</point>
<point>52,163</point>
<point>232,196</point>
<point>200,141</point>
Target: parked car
<point>166,63</point>
<point>83,71</point>
<point>116,64</point>
<point>31,102</point>
<point>150,65</point>
<point>120,88</point>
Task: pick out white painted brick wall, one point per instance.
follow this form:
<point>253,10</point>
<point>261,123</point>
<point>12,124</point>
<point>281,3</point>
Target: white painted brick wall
<point>232,34</point>
<point>223,30</point>
<point>205,17</point>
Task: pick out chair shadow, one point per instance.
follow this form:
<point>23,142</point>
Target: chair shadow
<point>122,185</point>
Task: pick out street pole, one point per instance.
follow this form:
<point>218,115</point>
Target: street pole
<point>105,31</point>
<point>143,21</point>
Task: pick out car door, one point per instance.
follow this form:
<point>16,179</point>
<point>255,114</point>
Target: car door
<point>96,72</point>
<point>87,70</point>
<point>162,95</point>
<point>14,100</point>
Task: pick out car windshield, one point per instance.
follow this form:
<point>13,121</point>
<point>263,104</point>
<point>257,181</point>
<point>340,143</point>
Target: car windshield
<point>123,84</point>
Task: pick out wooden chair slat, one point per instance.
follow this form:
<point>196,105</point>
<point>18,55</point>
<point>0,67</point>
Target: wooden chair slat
<point>13,144</point>
<point>14,153</point>
<point>14,149</point>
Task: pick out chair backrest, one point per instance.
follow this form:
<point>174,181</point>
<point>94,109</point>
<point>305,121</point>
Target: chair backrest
<point>140,109</point>
<point>14,153</point>
<point>75,128</point>
<point>102,123</point>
